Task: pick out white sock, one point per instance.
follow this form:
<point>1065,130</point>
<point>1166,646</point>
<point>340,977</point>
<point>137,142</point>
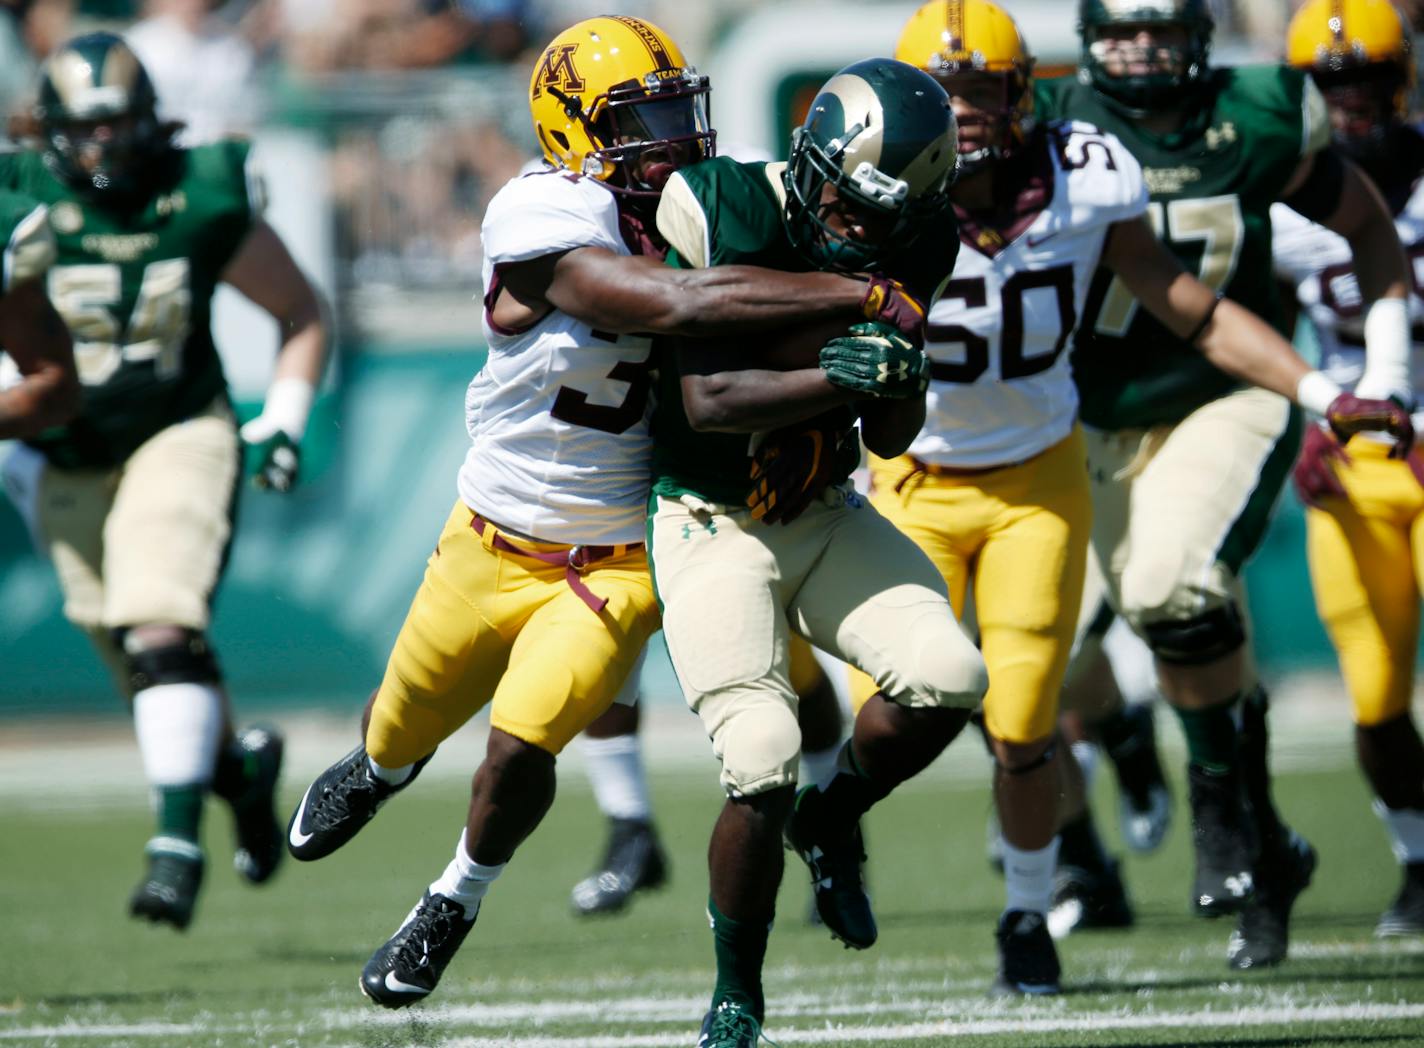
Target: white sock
<point>178,728</point>
<point>1087,756</point>
<point>1406,831</point>
<point>615,771</point>
<point>390,776</point>
<point>465,881</point>
<point>1028,877</point>
<point>818,767</point>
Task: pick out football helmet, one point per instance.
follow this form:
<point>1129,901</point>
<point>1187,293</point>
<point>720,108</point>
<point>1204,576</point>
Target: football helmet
<point>882,135</point>
<point>1361,56</point>
<point>950,39</point>
<point>613,98</point>
<point>1173,70</point>
<point>97,112</point>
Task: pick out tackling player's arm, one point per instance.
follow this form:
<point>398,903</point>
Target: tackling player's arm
<point>265,272</point>
<point>638,294</point>
<point>38,341</point>
<point>1233,338</point>
<point>718,397</point>
<point>1331,190</point>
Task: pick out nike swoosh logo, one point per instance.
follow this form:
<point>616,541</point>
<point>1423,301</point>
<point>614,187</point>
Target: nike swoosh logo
<point>295,836</point>
<point>396,985</point>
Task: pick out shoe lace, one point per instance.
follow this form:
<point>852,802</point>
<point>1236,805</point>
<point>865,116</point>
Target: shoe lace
<point>337,798</point>
<point>428,930</point>
<point>730,1025</point>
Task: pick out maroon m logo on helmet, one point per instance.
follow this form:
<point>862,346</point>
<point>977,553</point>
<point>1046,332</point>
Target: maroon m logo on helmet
<point>556,69</point>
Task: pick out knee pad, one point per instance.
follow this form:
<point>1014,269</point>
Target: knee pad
<point>187,661</point>
<point>1199,640</point>
<point>760,747</point>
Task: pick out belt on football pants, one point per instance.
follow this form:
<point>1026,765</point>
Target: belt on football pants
<point>575,560</point>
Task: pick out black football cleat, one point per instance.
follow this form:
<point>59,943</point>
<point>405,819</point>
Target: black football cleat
<point>1262,932</point>
<point>729,1025</point>
<point>1084,898</point>
<point>168,892</point>
<point>1405,915</point>
<point>408,967</point>
<point>1145,803</point>
<point>633,861</point>
<point>837,876</point>
<point>1028,961</point>
<point>259,834</point>
<point>341,801</point>
<point>1224,881</point>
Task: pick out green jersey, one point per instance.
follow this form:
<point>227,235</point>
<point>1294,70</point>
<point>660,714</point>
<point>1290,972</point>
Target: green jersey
<point>135,287</point>
<point>29,244</point>
<point>722,212</point>
<point>1211,185</point>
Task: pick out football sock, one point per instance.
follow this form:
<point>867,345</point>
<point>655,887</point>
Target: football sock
<point>1391,755</point>
<point>1211,736</point>
<point>740,947</point>
<point>466,881</point>
<point>178,728</point>
<point>1080,845</point>
<point>1406,831</point>
<point>819,766</point>
<point>390,776</point>
<point>179,811</point>
<point>615,771</point>
<point>1028,877</point>
<point>1253,745</point>
<point>1086,754</point>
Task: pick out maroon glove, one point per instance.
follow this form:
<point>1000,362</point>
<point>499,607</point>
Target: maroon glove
<point>790,468</point>
<point>887,301</point>
<point>1314,472</point>
<point>1349,414</point>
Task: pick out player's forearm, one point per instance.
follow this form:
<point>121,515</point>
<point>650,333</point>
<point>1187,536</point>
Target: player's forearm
<point>751,401</point>
<point>1246,347</point>
<point>45,398</point>
<point>889,427</point>
<point>734,300</point>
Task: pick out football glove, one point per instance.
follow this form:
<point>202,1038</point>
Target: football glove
<point>1349,414</point>
<point>276,458</point>
<point>790,468</point>
<point>1314,473</point>
<point>876,360</point>
<point>887,301</point>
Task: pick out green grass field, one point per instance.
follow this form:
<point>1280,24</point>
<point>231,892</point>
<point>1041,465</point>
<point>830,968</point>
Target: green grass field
<point>277,966</point>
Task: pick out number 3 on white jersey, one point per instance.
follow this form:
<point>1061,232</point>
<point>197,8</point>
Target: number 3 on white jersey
<point>1214,221</point>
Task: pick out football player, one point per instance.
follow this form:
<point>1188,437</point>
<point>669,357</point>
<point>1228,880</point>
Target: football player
<point>1365,510</point>
<point>39,387</point>
<point>537,600</point>
<point>865,188</point>
<point>133,499</point>
<point>1186,464</point>
<point>995,486</point>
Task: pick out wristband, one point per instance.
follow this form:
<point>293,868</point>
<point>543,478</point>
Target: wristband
<point>288,405</point>
<point>1388,344</point>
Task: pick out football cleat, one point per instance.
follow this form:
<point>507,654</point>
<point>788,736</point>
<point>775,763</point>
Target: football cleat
<point>1145,804</point>
<point>338,804</point>
<point>633,861</point>
<point>1405,915</point>
<point>1085,898</point>
<point>1262,929</point>
<point>169,890</point>
<point>729,1025</point>
<point>410,964</point>
<point>1028,961</point>
<point>1223,882</point>
<point>837,877</point>
<point>259,835</point>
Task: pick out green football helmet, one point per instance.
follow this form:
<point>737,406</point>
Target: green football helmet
<point>882,134</point>
<point>98,111</point>
<point>1144,93</point>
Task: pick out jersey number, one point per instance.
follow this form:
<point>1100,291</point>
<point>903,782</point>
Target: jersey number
<point>973,292</point>
<point>158,325</point>
<point>572,406</point>
<point>1215,222</point>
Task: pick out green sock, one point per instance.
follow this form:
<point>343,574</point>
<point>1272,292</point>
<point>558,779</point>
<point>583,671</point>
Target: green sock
<point>741,948</point>
<point>180,811</point>
<point>1211,736</point>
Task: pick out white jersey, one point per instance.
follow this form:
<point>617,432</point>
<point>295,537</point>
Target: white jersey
<point>1317,263</point>
<point>558,416</point>
<point>1002,389</point>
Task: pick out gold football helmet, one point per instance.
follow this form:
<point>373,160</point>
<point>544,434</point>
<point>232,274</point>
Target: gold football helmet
<point>613,98</point>
<point>1341,40</point>
<point>952,39</point>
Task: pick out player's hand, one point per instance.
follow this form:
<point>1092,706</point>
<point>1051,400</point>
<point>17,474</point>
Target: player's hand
<point>876,360</point>
<point>790,469</point>
<point>278,457</point>
<point>1314,473</point>
<point>887,301</point>
<point>1349,414</point>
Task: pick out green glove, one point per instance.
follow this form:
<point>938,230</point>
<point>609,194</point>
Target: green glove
<point>876,360</point>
